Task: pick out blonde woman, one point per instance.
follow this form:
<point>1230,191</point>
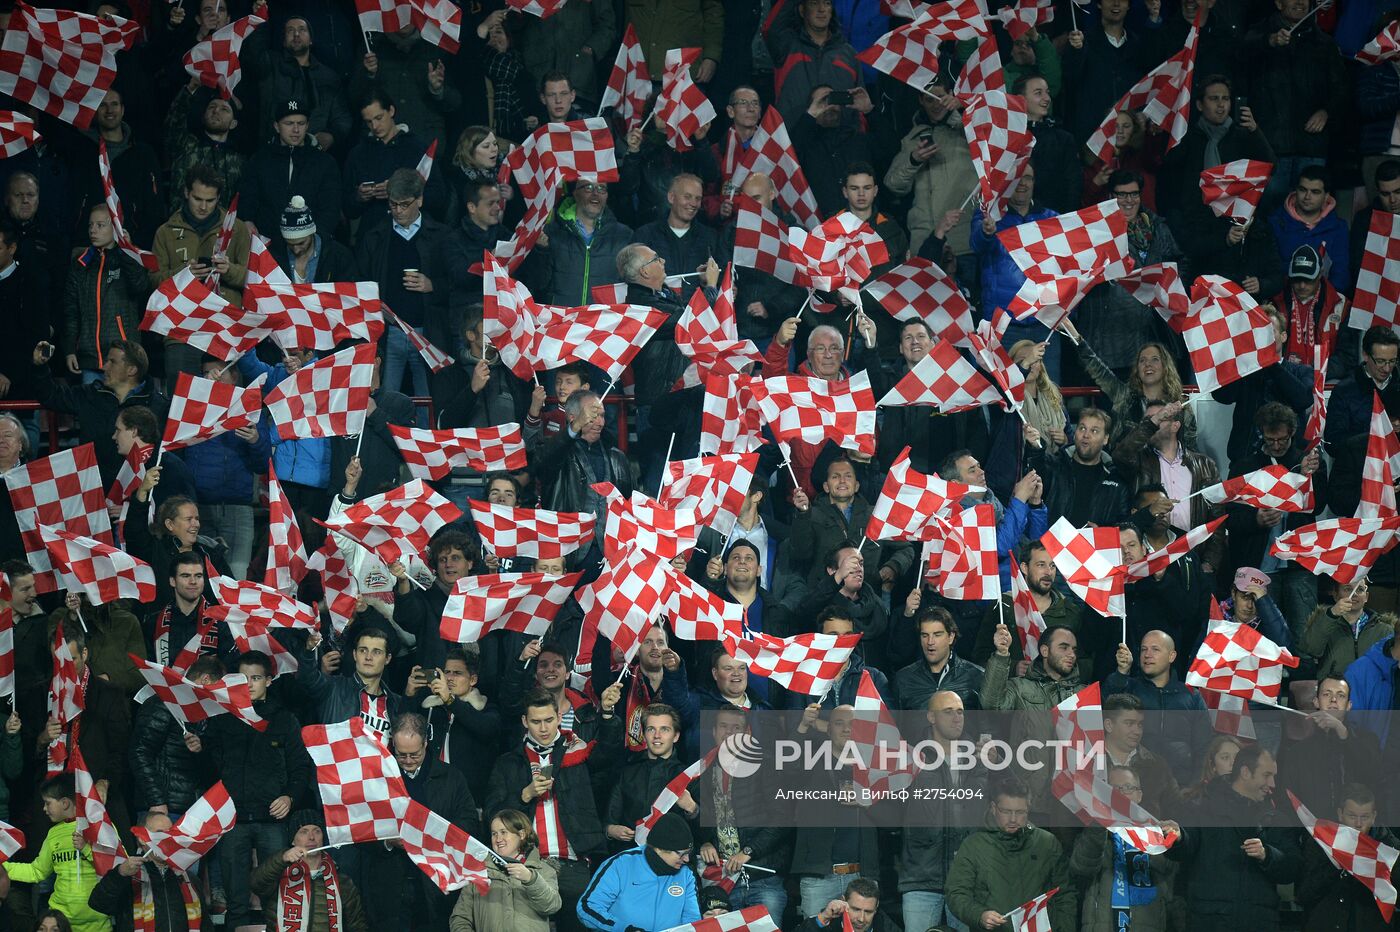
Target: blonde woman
<point>1152,378</point>
<point>524,893</point>
<point>1044,408</point>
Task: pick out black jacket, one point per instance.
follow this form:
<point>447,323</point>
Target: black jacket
<point>420,614</point>
<point>259,766</point>
<point>471,737</point>
<point>636,787</point>
<point>458,405</point>
<point>379,455</point>
<point>1285,383</point>
<point>95,406</point>
<point>278,171</point>
<point>660,362</point>
<point>1333,899</point>
<point>166,772</point>
<point>915,684</point>
<point>114,893</point>
<point>1058,172</point>
<point>1248,540</point>
<point>372,257</point>
<point>1057,468</point>
<point>566,471</point>
<point>335,264</point>
<point>1289,83</point>
<point>1227,889</point>
<point>578,813</point>
<point>464,248</point>
<point>683,254</point>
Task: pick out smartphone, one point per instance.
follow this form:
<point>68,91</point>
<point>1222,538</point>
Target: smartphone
<point>925,137</point>
<point>839,98</point>
<point>546,771</point>
<point>1241,101</point>
<point>205,261</point>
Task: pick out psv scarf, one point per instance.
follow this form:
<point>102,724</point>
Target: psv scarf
<point>143,904</point>
<point>639,696</point>
<point>196,646</point>
<point>294,896</point>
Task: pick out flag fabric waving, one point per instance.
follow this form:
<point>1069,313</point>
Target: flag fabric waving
<point>908,53</point>
<point>909,498</point>
<point>248,600</point>
<point>682,108</point>
<point>63,490</point>
<point>624,599</point>
<point>215,60</point>
<point>207,820</point>
<point>328,398</point>
<point>1090,559</point>
<point>838,255</point>
<point>1030,624</point>
<point>147,260</point>
<point>1233,189</point>
<point>103,572</point>
<point>1065,257</point>
<point>761,242</point>
<point>581,150</point>
<point>749,919</point>
<point>1033,915</point>
<point>187,311</point>
<point>875,735</point>
<point>396,524</point>
<point>1159,287</point>
<point>982,73</point>
<point>806,664</point>
<point>93,822</point>
<point>201,409</point>
<point>1381,467</point>
<point>1384,47</point>
<point>436,359</point>
<point>920,290</point>
<point>1180,546</point>
<point>815,410</point>
<point>522,602</point>
<point>1343,548</point>
<point>1163,96</point>
<point>1227,334</point>
<point>1359,854</point>
<point>730,419</point>
<point>362,792</point>
<point>1378,281</point>
<point>432,454</point>
<point>1236,659</point>
<point>286,551</point>
<point>946,380</point>
<point>318,316</point>
<point>1000,140</point>
<point>670,794</point>
<point>190,702</point>
<point>62,62</point>
<point>7,652</point>
<point>963,558</point>
<point>771,153</point>
<point>629,83</point>
<point>526,532</point>
<point>17,133</point>
<point>1270,487</point>
<point>445,852</point>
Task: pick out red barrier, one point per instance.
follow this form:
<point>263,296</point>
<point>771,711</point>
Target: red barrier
<point>621,402</point>
<point>49,416</point>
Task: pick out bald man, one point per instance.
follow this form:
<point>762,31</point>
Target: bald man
<point>1176,737</point>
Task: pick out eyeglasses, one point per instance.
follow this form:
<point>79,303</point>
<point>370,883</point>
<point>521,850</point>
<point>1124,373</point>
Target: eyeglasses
<point>1383,363</point>
<point>649,262</point>
<point>749,104</point>
<point>403,205</point>
<point>1128,788</point>
<point>1128,195</point>
<point>410,755</point>
<point>591,188</point>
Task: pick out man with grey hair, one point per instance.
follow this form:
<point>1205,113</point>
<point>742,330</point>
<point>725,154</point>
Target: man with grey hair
<point>578,456</point>
<point>406,259</point>
<point>405,898</point>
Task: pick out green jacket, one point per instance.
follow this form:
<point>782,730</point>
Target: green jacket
<point>104,299</point>
<point>112,633</point>
<point>1061,612</point>
<point>1000,872</point>
<point>267,880</point>
<point>1328,638</point>
<point>1033,695</point>
<point>187,145</point>
<point>676,24</point>
<point>510,904</point>
<point>74,877</point>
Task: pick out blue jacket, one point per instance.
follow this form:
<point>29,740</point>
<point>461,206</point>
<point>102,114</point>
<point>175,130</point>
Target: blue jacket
<point>305,462</point>
<point>1177,738</point>
<point>626,893</point>
<point>223,467</point>
<point>1330,232</point>
<point>1017,521</point>
<point>1001,277</point>
<point>1371,678</point>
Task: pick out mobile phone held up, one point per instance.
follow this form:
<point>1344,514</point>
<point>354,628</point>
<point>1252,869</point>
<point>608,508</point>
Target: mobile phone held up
<point>839,98</point>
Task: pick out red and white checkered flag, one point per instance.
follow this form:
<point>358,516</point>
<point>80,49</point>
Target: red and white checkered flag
<point>449,856</point>
<point>581,150</point>
<point>1227,334</point>
<point>61,490</point>
<point>1091,561</point>
<point>251,635</point>
<point>7,650</point>
<point>529,532</point>
<point>1229,715</point>
<point>761,242</point>
<point>1381,467</point>
<point>65,700</point>
<point>946,380</point>
<point>682,108</point>
<point>522,602</point>
<point>715,487</point>
<point>909,53</point>
<point>708,335</point>
<point>190,702</point>
<point>696,613</point>
<point>341,588</point>
<point>1384,47</point>
<point>814,410</point>
<point>509,317</point>
<point>1032,915</point>
<point>201,409</point>
<point>730,421</point>
<point>1271,487</point>
<point>838,255</point>
<point>425,164</point>
<point>286,551</point>
<point>806,664</point>
<point>439,22</point>
<point>1025,15</point>
<point>625,598</point>
<point>1159,287</point>
<point>185,310</point>
<point>1322,355</point>
<point>17,133</point>
<point>538,209</point>
<point>248,601</point>
<point>396,524</point>
<point>222,241</point>
<point>436,359</point>
<point>1343,548</point>
<point>1094,801</point>
<point>629,84</point>
<point>608,336</point>
<point>670,795</point>
<point>262,267</point>
<point>147,260</point>
<point>62,62</point>
<point>1357,853</point>
<point>992,356</point>
<point>328,398</point>
<point>962,554</point>
<point>11,841</point>
<point>982,72</point>
<point>748,919</point>
<point>215,60</point>
<point>93,821</point>
<point>1233,189</point>
<point>1180,546</point>
<point>318,316</point>
<point>362,791</point>
<point>878,742</point>
<point>210,818</point>
<point>432,454</point>
<point>1163,96</point>
<point>1065,257</point>
<point>640,523</point>
<point>103,573</point>
<point>1236,659</point>
<point>1378,281</point>
<point>771,153</point>
<point>1030,624</point>
<point>920,290</point>
<point>909,499</point>
<point>1000,140</point>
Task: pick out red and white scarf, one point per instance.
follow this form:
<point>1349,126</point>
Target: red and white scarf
<point>375,711</point>
<point>205,640</point>
<point>639,696</point>
<point>549,828</point>
<point>1302,326</point>
<point>294,894</point>
<point>143,904</point>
